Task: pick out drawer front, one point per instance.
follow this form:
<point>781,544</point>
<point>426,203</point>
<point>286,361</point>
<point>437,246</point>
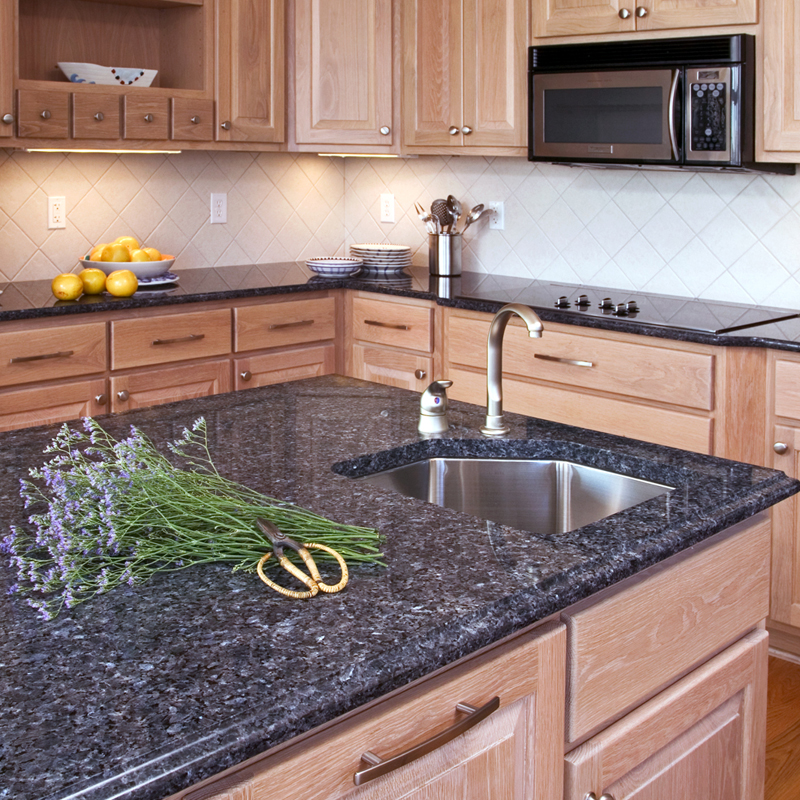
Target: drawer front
<point>404,370</point>
<point>630,644</point>
<point>44,406</point>
<point>787,388</point>
<point>637,370</point>
<point>394,324</point>
<point>291,365</point>
<point>95,116</point>
<point>177,337</point>
<point>42,114</point>
<point>146,118</point>
<point>51,353</point>
<point>280,324</point>
<point>192,120</point>
<point>608,414</point>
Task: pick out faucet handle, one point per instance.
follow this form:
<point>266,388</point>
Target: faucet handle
<point>433,408</point>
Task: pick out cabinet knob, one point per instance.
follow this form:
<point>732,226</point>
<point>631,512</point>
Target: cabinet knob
<point>195,120</point>
<point>641,11</point>
<point>123,395</point>
<point>246,375</point>
<point>226,126</point>
<point>386,130</point>
<point>8,119</point>
<point>590,796</point>
<point>780,448</point>
<point>100,399</point>
<point>466,130</point>
<point>46,114</point>
<point>606,796</point>
<point>453,130</point>
<point>99,116</point>
<point>419,374</point>
<point>624,13</point>
<point>148,117</point>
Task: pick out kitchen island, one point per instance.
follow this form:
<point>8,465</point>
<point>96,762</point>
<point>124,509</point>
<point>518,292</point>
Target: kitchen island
<point>143,692</point>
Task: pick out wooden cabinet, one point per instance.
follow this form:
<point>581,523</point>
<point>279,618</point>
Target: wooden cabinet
<point>23,408</point>
<point>96,116</point>
<point>7,64</point>
<point>577,17</point>
<point>390,341</point>
<point>251,92</point>
<point>704,737</point>
<point>464,75</point>
<point>514,753</point>
<point>343,72</point>
<point>289,365</point>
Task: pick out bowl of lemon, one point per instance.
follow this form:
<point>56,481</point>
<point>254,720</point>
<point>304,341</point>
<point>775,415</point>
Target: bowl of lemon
<point>126,253</point>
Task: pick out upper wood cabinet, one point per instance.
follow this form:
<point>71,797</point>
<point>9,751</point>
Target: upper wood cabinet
<point>576,17</point>
<point>343,72</point>
<point>7,61</point>
<point>251,92</point>
<point>464,75</point>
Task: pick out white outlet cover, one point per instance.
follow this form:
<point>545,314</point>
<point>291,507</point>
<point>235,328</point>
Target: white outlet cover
<point>56,213</point>
<point>387,207</point>
<point>497,221</point>
<point>219,207</point>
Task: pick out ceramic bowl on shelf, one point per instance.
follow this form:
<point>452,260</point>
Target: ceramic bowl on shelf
<point>80,72</point>
<point>335,267</point>
<point>141,269</point>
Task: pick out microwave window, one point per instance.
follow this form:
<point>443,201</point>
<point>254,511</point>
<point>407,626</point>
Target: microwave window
<point>615,115</point>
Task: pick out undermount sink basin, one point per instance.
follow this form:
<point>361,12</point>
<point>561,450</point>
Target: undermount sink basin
<point>541,496</point>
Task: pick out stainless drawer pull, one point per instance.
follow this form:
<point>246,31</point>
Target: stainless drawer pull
<point>61,354</point>
<point>192,337</point>
<point>377,324</point>
<point>300,323</point>
<point>376,766</point>
<point>572,361</point>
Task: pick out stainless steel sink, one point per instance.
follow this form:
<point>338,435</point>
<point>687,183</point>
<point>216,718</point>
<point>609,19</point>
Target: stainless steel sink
<point>538,496</point>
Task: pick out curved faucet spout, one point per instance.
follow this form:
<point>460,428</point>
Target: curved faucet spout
<point>494,425</point>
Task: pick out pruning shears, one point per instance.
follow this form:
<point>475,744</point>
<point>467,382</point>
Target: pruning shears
<point>312,579</point>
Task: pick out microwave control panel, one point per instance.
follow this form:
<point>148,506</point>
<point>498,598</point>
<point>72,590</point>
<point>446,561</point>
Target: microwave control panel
<point>708,114</point>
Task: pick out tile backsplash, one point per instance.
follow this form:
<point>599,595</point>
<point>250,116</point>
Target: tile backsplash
<point>710,235</point>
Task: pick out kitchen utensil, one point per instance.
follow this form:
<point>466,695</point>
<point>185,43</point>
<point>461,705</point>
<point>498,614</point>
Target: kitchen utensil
<point>313,580</point>
<point>440,210</point>
<point>141,269</point>
<point>454,207</point>
<point>474,215</point>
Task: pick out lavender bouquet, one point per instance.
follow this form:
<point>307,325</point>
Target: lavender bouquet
<point>108,512</point>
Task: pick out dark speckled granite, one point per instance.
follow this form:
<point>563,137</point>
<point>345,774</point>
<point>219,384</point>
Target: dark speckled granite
<point>142,692</point>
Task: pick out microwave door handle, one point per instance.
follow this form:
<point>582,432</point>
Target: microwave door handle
<point>673,136</point>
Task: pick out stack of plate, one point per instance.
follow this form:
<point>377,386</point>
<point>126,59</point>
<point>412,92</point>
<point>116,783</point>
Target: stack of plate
<point>335,267</point>
<point>382,259</point>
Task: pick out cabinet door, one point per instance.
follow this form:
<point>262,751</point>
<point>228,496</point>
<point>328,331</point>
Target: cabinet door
<point>433,114</point>
<point>514,753</point>
<point>392,367</point>
<point>343,72</point>
<point>251,93</point>
<point>146,117</point>
<point>494,69</point>
<point>43,114</point>
<point>665,14</point>
<point>46,405</point>
<point>780,85</point>
<point>572,17</point>
<point>707,732</point>
<point>7,71</point>
<point>169,384</point>
<point>785,606</point>
<point>95,116</point>
<point>289,365</point>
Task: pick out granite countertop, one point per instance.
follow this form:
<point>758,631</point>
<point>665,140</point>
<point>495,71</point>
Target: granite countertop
<point>141,692</point>
<point>473,291</point>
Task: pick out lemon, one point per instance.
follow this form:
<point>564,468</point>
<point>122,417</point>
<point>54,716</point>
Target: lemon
<point>94,280</point>
<point>140,255</point>
<point>122,283</point>
<point>67,286</point>
<point>153,253</point>
<point>118,252</point>
<point>128,241</point>
<point>101,253</point>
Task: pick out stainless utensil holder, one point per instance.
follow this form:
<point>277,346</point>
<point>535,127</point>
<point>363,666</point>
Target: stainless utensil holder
<point>444,254</point>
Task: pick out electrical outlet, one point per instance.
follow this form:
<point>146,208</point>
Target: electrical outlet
<point>219,207</point>
<point>497,221</point>
<point>387,208</point>
<point>56,212</point>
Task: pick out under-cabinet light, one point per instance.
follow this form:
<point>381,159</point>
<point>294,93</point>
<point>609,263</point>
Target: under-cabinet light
<point>357,155</point>
<point>100,150</point>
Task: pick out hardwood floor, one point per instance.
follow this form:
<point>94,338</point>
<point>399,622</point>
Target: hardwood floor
<point>783,731</point>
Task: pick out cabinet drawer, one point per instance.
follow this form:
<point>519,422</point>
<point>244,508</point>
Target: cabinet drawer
<point>51,353</point>
<point>42,114</point>
<point>43,406</point>
<point>380,365</point>
<point>395,324</point>
<point>146,117</point>
<point>637,370</point>
<point>192,120</point>
<point>515,753</point>
<point>279,324</point>
<point>787,388</point>
<point>291,365</point>
<point>95,116</point>
<point>174,337</point>
<point>631,643</point>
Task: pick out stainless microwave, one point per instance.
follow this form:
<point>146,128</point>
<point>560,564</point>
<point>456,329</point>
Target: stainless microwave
<point>670,103</point>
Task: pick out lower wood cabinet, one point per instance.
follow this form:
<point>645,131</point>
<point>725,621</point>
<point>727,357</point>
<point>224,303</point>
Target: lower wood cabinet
<point>404,370</point>
<point>288,365</point>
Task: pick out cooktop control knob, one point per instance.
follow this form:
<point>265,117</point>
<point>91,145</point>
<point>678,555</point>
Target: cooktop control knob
<point>633,308</point>
<point>620,310</point>
<point>562,302</point>
<point>582,301</point>
<point>606,304</point>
